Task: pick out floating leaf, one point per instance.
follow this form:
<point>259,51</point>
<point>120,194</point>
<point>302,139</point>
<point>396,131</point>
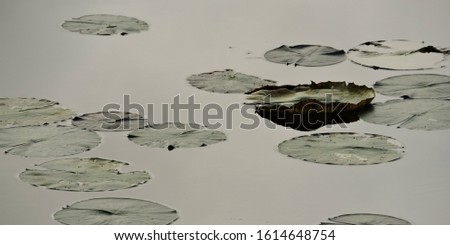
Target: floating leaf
<point>309,107</point>
<point>421,114</point>
<point>109,121</point>
<point>325,92</point>
<point>16,112</point>
<point>105,24</point>
<point>305,55</point>
<point>47,141</point>
<point>365,219</point>
<point>428,86</point>
<point>83,174</point>
<point>343,148</point>
<point>397,55</point>
<point>176,135</point>
<point>116,211</point>
<point>227,81</point>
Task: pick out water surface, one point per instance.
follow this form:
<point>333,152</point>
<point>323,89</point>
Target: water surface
<point>244,180</point>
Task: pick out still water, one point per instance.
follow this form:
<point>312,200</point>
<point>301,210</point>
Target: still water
<point>244,180</point>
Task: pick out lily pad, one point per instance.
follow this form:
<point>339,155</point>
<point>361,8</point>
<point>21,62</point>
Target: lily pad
<point>16,112</point>
<point>343,148</point>
<point>339,93</point>
<point>47,141</point>
<point>109,121</point>
<point>397,55</point>
<point>176,135</point>
<point>105,25</point>
<point>305,55</point>
<point>309,107</point>
<point>365,219</point>
<point>421,86</point>
<point>83,174</point>
<point>116,211</point>
<point>227,81</point>
<point>420,114</point>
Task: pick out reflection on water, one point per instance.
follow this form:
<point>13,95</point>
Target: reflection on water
<point>306,121</point>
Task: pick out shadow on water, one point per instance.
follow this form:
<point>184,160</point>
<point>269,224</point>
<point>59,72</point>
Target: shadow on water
<point>309,121</point>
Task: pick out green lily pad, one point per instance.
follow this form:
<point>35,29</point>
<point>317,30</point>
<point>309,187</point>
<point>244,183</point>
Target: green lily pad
<point>227,81</point>
<point>176,135</point>
<point>365,219</point>
<point>15,112</point>
<point>109,121</point>
<point>397,55</point>
<point>309,107</point>
<point>343,148</point>
<point>116,211</point>
<point>354,96</point>
<point>305,55</point>
<point>83,174</point>
<point>420,114</point>
<point>105,25</point>
<point>417,86</point>
<point>47,141</point>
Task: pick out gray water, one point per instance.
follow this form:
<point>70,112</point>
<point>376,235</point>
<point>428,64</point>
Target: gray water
<point>244,180</point>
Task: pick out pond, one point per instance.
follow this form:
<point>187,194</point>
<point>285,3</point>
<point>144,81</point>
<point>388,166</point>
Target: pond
<point>243,179</point>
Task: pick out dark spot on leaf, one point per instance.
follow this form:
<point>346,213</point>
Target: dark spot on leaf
<point>376,44</point>
<point>336,53</point>
<point>430,49</point>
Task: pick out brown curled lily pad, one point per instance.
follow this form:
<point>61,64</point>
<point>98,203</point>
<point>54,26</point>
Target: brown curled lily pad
<point>116,211</point>
<point>343,148</point>
<point>176,135</point>
<point>109,121</point>
<point>47,141</point>
<point>15,112</point>
<point>365,219</point>
<point>398,55</point>
<point>227,81</point>
<point>305,55</point>
<point>105,25</point>
<point>418,114</point>
<point>309,107</point>
<point>415,86</point>
<point>83,174</point>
